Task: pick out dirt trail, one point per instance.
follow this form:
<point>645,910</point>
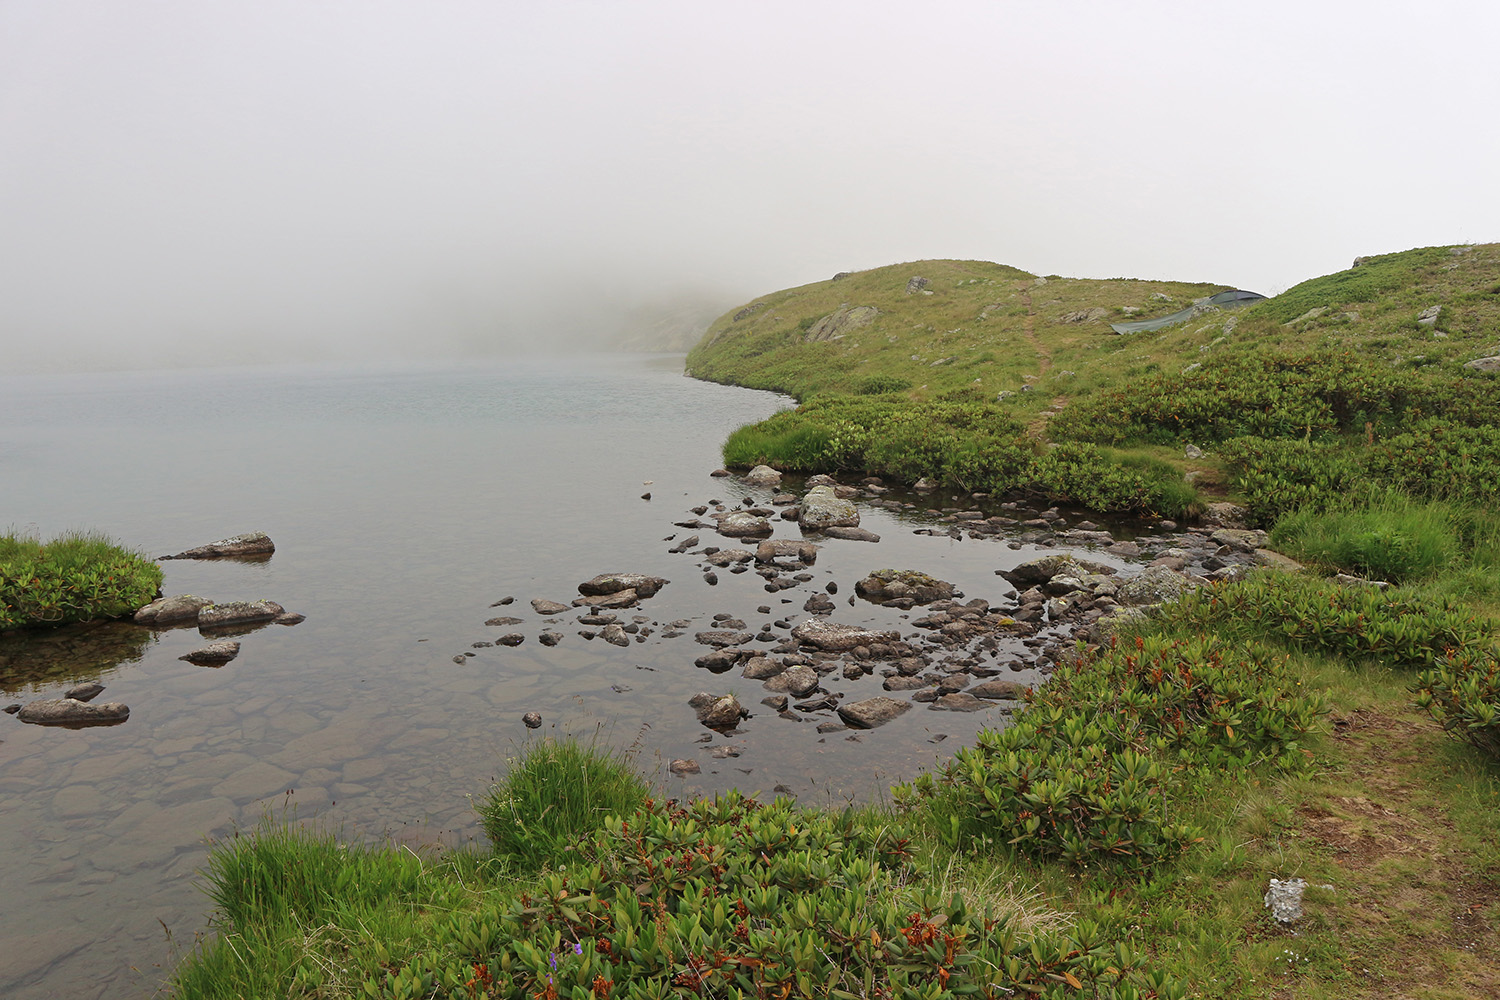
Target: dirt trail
<point>1038,427</point>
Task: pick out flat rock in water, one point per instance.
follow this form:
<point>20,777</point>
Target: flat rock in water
<point>504,620</point>
<point>837,638</point>
<point>772,549</point>
<point>71,712</point>
<point>872,712</point>
<point>1003,690</point>
<point>549,638</point>
<point>759,668</point>
<point>612,583</point>
<point>542,606</point>
<point>179,610</point>
<point>892,584</point>
<point>255,543</point>
<point>723,637</point>
<point>743,524</point>
<point>727,557</point>
<point>960,701</point>
<point>851,534</point>
<point>238,613</point>
<point>682,766</point>
<point>215,654</point>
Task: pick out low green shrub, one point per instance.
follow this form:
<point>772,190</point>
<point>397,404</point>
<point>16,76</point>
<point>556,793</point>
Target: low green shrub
<point>1320,616</point>
<point>556,794</point>
<point>874,385</point>
<point>1463,694</point>
<point>1089,772</point>
<point>73,578</point>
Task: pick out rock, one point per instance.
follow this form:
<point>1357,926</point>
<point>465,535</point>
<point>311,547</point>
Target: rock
<point>763,475</point>
<point>723,637</point>
<point>999,689</point>
<point>759,668</point>
<point>685,544</point>
<point>840,322</point>
<point>891,584</point>
<point>1192,451</point>
<point>720,660</point>
<point>916,284</point>
<point>772,549</point>
<point>215,654</point>
<point>1266,557</point>
<point>1345,580</point>
<point>719,473</point>
<point>900,683</point>
<point>851,534</point>
<point>872,712</point>
<point>722,712</point>
<point>1105,627</point>
<point>743,524</point>
<point>290,618</point>
<point>960,701</point>
<point>684,766</point>
<point>1429,316</point>
<point>253,544</point>
<point>729,557</point>
<point>797,681</point>
<point>166,611</point>
<point>614,583</point>
<point>532,720</point>
<point>504,620</point>
<point>837,638</point>
<point>510,639</point>
<point>72,712</point>
<point>1490,364</point>
<point>615,635</point>
<point>1084,315</point>
<point>1155,585</point>
<point>1241,540</point>
<point>822,508</point>
<point>235,613</point>
<point>542,606</point>
<point>83,692</point>
<point>619,599</point>
<point>12,708</point>
<point>924,485</point>
<point>549,638</point>
<point>1284,899</point>
<point>1226,515</point>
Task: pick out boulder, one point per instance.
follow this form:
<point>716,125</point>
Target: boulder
<point>960,701</point>
<point>684,766</point>
<point>743,524</point>
<point>542,606</point>
<point>891,584</point>
<point>1490,364</point>
<point>718,712</point>
<point>1241,540</point>
<point>613,583</point>
<point>759,668</point>
<point>723,637</point>
<point>215,654</point>
<point>72,712</point>
<point>852,534</point>
<point>837,638</point>
<point>237,613</point>
<point>253,544</point>
<point>1044,569</point>
<point>822,508</point>
<point>796,681</point>
<point>840,322</point>
<point>1156,585</point>
<point>872,712</point>
<point>167,611</point>
<point>763,475</point>
<point>84,692</point>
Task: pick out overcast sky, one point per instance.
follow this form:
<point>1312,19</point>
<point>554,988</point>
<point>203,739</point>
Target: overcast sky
<point>188,182</point>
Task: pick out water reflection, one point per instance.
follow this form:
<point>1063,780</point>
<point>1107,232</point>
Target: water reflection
<point>32,660</point>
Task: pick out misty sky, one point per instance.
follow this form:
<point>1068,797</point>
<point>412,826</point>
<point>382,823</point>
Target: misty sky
<point>191,182</point>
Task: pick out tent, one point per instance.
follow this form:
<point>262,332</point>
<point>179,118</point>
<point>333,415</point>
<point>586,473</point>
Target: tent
<point>1224,300</point>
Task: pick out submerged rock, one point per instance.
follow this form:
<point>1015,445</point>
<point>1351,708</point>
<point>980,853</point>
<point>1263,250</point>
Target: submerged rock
<point>838,638</point>
<point>254,543</point>
<point>215,654</point>
<point>71,712</point>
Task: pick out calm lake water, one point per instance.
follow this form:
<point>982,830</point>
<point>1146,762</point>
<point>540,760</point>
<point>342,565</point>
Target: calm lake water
<point>403,504</point>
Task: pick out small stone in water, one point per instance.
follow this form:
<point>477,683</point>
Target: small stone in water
<point>532,720</point>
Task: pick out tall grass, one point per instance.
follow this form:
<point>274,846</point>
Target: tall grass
<point>1395,538</point>
<point>557,795</point>
<point>79,576</point>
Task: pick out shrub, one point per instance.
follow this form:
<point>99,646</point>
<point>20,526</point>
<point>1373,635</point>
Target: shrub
<point>1397,540</point>
<point>1463,694</point>
<point>73,578</point>
<point>874,385</point>
<point>557,794</point>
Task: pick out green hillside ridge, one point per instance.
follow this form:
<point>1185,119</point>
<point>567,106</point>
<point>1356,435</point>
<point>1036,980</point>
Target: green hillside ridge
<point>1013,383</point>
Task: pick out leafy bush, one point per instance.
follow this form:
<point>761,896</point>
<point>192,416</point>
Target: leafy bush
<point>874,385</point>
<point>557,794</point>
<point>1320,616</point>
<point>73,578</point>
<point>1089,770</point>
<point>1463,694</point>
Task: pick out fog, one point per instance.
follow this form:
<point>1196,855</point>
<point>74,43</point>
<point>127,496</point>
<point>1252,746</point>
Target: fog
<point>184,183</point>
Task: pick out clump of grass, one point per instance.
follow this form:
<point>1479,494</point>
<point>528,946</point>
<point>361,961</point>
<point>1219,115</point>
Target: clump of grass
<point>557,794</point>
<point>80,576</point>
<point>1395,538</point>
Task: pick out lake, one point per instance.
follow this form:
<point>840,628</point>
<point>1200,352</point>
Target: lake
<point>404,502</point>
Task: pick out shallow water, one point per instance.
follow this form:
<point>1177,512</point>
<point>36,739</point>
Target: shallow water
<point>403,504</point>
